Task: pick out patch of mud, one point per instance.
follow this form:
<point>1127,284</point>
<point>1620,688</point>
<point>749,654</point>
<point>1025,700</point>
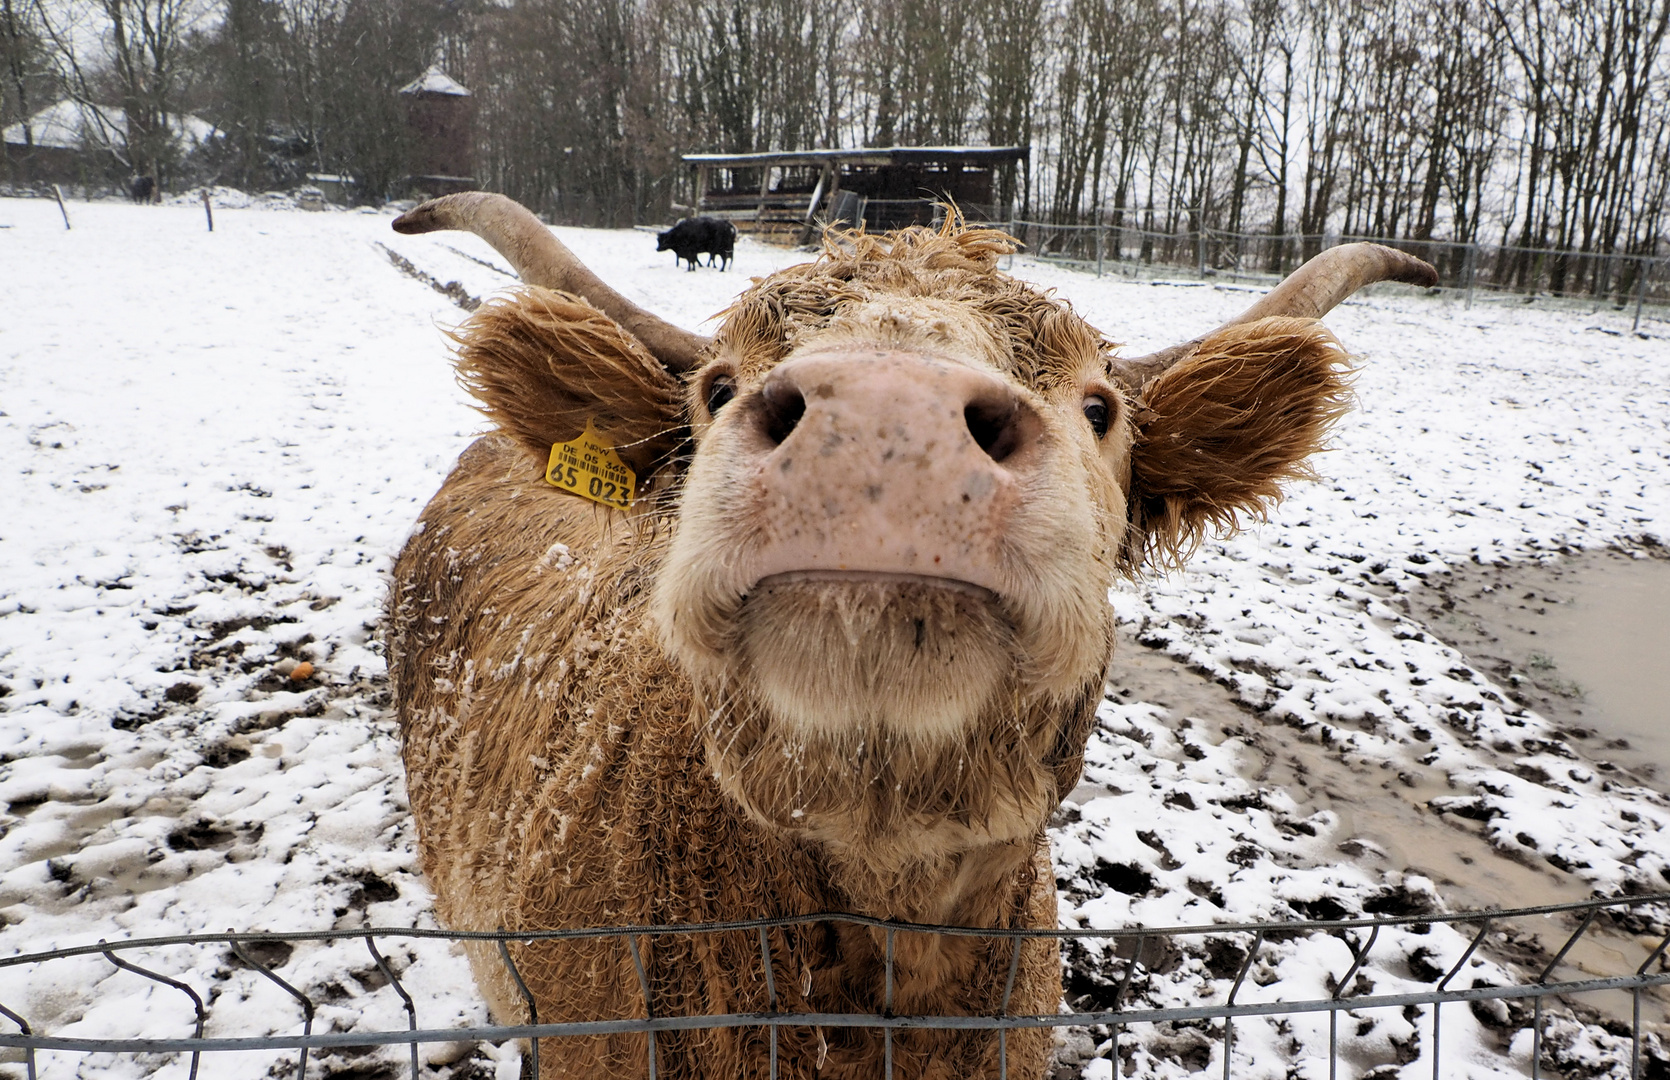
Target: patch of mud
<point>1583,638</point>
<point>1385,822</point>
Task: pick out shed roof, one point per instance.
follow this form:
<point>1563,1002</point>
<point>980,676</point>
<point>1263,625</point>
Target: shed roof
<point>435,81</point>
<point>884,155</point>
<point>69,125</point>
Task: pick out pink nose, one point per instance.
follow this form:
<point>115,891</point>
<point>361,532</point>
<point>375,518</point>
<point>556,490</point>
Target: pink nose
<point>891,463</point>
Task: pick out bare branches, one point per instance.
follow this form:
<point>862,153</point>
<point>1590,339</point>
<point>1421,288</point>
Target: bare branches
<point>1545,122</point>
<point>137,67</point>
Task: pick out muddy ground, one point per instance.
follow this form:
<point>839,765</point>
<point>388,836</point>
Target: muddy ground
<point>1581,637</point>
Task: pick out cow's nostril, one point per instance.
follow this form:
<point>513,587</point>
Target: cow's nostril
<point>992,423</point>
<point>784,406</point>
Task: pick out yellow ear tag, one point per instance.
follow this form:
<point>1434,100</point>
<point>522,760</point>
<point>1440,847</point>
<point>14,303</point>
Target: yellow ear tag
<point>590,468</point>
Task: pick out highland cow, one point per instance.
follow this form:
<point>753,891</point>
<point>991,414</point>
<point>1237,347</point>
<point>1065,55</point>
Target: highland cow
<point>710,236</point>
<point>843,650</point>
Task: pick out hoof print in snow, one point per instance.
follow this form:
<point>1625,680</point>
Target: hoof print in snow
<point>1400,900</point>
<point>201,836</point>
<point>1423,965</point>
<point>133,721</point>
<point>1128,878</point>
<point>1224,958</point>
<point>1505,1015</point>
<point>1473,809</point>
<point>370,978</point>
<point>1324,909</point>
<point>1187,1046</point>
<point>269,954</point>
<point>372,889</point>
<point>221,755</point>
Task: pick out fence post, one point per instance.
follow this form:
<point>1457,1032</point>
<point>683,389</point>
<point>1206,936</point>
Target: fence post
<point>1098,242</point>
<point>1200,241</point>
<point>1641,293</point>
<point>1471,271</point>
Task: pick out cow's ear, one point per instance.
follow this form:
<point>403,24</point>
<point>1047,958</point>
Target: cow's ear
<point>543,364</point>
<point>1218,433</point>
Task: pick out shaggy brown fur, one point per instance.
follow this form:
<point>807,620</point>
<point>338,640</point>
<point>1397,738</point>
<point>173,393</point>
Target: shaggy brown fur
<point>1219,432</point>
<point>558,774</point>
<point>1037,338</point>
<point>577,759</point>
<point>545,363</point>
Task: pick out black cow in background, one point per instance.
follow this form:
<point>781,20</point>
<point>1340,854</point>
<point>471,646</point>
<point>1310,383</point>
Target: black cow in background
<point>142,189</point>
<point>710,236</point>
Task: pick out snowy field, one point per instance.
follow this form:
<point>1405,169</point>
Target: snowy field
<point>213,444</point>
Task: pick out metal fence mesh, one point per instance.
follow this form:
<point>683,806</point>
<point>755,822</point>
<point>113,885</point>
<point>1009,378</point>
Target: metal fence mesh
<point>1555,975</point>
<point>1624,281</point>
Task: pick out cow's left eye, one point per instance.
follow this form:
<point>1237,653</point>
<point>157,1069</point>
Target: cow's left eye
<point>1096,411</point>
<point>720,391</point>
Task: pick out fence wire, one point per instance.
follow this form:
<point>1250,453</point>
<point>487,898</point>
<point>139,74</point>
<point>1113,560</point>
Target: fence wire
<point>1555,977</point>
<point>1620,280</point>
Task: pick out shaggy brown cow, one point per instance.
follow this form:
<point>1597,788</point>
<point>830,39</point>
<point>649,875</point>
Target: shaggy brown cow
<point>842,652</point>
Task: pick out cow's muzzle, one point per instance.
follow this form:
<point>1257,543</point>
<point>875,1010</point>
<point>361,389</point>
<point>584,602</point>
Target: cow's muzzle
<point>886,462</point>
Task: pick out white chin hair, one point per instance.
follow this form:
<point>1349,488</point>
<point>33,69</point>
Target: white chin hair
<point>833,657</point>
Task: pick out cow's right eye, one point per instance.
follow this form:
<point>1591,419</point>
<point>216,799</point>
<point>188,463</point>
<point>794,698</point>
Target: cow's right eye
<point>1096,411</point>
<point>720,391</point>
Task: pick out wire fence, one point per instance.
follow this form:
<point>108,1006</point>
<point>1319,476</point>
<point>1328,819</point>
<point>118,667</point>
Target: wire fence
<point>1554,975</point>
<point>1619,280</point>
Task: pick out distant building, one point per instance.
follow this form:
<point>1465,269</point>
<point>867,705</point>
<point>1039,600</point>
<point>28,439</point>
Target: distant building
<point>786,192</point>
<point>68,142</point>
<point>332,187</point>
<point>441,116</point>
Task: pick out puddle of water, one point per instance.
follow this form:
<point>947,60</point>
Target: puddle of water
<point>1583,639</point>
<point>1614,642</point>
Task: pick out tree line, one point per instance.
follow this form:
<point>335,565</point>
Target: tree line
<point>1538,123</point>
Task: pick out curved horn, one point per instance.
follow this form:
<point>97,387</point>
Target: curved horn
<point>1310,292</point>
<point>541,259</point>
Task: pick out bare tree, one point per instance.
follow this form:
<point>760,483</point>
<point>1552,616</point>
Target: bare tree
<point>240,81</point>
<point>756,76</point>
<point>1465,80</point>
<point>1334,57</point>
<point>916,67</point>
<point>1012,44</point>
<point>574,103</point>
<point>1105,99</point>
<point>1272,78</point>
<point>1198,82</point>
<point>1587,73</point>
<point>140,69</point>
<point>24,65</point>
<point>1248,41</point>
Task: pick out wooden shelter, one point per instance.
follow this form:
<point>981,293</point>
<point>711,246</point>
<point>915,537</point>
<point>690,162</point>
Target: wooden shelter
<point>786,194</point>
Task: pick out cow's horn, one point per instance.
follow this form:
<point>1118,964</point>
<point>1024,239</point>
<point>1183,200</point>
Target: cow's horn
<point>1310,292</point>
<point>541,259</point>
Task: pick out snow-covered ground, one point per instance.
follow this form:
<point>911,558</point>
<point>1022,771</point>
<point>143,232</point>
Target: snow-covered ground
<point>212,445</point>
